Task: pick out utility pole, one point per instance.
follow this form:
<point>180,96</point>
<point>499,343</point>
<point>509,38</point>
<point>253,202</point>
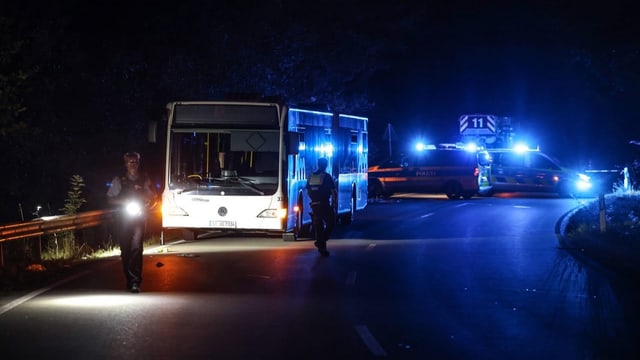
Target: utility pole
<point>388,135</point>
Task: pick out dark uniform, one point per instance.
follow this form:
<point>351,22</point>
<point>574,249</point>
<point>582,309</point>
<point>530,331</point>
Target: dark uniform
<point>321,188</point>
<point>126,189</point>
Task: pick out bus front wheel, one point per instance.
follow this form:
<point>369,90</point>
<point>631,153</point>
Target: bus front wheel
<point>347,218</point>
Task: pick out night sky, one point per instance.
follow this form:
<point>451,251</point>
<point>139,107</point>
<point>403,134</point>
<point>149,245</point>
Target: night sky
<point>566,72</point>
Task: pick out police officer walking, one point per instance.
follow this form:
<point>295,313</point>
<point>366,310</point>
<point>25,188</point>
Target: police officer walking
<point>133,194</point>
<point>322,190</point>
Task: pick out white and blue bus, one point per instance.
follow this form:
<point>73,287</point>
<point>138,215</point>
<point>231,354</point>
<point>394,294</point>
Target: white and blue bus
<point>242,166</point>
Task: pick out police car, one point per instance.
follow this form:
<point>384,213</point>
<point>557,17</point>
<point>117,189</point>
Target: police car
<point>529,170</point>
<point>453,172</point>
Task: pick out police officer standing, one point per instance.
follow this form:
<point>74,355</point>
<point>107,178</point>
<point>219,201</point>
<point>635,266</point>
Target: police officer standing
<point>322,190</point>
<point>133,194</point>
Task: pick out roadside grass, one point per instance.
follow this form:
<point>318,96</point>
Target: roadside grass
<point>616,245</point>
<point>61,254</point>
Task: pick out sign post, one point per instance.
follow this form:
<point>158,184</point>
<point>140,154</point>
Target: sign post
<point>603,217</point>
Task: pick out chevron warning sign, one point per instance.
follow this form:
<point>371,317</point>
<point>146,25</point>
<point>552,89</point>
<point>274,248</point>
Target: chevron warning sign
<point>477,125</point>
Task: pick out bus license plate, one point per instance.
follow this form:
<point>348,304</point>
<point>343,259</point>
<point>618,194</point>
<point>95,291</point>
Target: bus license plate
<point>222,223</point>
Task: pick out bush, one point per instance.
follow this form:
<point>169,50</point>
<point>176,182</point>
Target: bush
<point>618,246</point>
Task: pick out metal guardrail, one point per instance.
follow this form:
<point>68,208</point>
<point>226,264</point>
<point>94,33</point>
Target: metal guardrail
<point>53,224</point>
<point>50,225</point>
<point>625,172</point>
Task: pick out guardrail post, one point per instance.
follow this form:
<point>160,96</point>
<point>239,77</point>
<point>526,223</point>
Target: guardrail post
<point>39,250</point>
<point>627,180</point>
<point>603,217</point>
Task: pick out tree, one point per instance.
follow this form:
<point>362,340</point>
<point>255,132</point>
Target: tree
<point>12,80</point>
<point>75,199</point>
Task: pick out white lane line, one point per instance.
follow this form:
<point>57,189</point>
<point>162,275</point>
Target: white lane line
<point>370,247</point>
<point>461,205</point>
<point>426,215</point>
<point>370,341</point>
<point>351,278</point>
<point>21,300</point>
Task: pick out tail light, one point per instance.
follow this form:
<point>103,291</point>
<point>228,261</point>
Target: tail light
<point>476,171</point>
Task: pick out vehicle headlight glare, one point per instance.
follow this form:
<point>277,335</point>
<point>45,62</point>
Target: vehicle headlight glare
<point>584,177</point>
<point>273,213</point>
<point>583,185</point>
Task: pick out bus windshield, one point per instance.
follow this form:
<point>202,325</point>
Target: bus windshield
<point>224,162</point>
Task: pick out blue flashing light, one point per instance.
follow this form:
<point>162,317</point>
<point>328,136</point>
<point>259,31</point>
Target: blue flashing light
<point>520,148</point>
<point>471,147</point>
<point>420,146</point>
<point>583,183</point>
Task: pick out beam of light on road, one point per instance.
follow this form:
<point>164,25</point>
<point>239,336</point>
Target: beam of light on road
<point>19,301</point>
<point>94,301</point>
<point>107,300</point>
<point>222,245</point>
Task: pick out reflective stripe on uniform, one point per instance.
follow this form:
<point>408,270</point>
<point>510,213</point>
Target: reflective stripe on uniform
<point>316,179</point>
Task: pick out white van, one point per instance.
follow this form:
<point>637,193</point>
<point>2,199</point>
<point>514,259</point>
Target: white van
<point>533,171</point>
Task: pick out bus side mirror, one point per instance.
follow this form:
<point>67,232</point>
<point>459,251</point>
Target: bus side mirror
<point>293,143</point>
<point>152,129</point>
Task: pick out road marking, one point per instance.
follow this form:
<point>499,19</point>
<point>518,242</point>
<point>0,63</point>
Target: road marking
<point>21,300</point>
<point>266,277</point>
<point>370,247</point>
<point>461,205</point>
<point>426,215</point>
<point>351,278</point>
<point>370,341</point>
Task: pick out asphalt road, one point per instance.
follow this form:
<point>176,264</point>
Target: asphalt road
<point>412,278</point>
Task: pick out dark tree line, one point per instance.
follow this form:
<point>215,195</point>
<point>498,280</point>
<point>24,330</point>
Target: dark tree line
<point>80,81</point>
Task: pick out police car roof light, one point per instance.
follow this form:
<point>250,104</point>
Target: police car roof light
<point>520,148</point>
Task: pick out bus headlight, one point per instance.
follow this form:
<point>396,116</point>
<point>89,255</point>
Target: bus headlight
<point>273,213</point>
<point>169,210</point>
